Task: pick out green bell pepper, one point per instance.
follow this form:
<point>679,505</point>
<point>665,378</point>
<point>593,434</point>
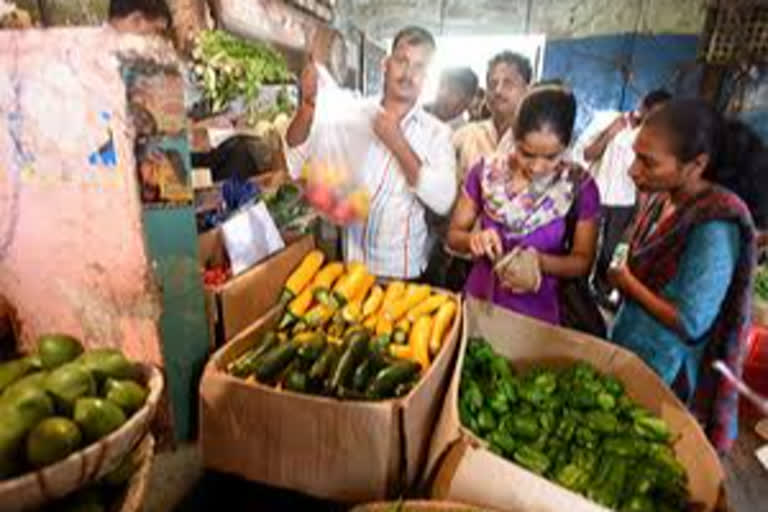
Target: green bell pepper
<point>532,459</point>
<point>602,421</point>
<point>654,429</point>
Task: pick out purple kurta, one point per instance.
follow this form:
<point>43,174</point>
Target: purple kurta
<point>548,239</point>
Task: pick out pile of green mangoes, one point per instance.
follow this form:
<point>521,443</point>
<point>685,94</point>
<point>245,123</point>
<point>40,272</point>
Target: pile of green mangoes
<point>575,427</point>
<point>62,399</point>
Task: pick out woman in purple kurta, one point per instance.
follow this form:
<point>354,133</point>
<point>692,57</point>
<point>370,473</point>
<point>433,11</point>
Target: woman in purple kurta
<point>521,200</point>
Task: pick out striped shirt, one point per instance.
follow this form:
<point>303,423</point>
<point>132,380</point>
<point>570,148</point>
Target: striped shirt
<point>393,241</point>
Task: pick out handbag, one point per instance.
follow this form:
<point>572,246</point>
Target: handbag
<point>578,309</point>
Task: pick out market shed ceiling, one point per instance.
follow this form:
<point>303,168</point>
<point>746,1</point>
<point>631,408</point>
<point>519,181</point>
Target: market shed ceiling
<point>556,18</point>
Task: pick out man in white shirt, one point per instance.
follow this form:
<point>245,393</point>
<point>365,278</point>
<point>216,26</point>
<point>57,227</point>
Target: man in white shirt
<point>409,166</point>
<point>610,156</point>
<point>456,91</point>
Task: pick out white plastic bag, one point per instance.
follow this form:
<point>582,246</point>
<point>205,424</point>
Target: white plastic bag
<point>343,127</point>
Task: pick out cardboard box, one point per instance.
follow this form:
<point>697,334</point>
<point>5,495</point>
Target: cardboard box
<point>245,298</point>
<point>464,470</point>
<point>340,450</point>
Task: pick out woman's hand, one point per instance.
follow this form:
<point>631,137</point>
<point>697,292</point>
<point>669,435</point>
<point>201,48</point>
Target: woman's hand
<point>486,243</point>
<point>620,276</point>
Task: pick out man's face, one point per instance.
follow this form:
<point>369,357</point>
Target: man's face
<point>451,100</point>
<point>405,71</point>
<point>505,88</point>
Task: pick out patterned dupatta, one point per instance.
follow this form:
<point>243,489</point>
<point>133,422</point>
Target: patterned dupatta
<point>537,205</point>
<point>656,247</point>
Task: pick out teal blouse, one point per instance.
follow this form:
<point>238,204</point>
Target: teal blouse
<point>698,290</point>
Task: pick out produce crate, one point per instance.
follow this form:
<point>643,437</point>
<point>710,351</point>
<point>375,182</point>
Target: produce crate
<point>462,467</point>
<point>340,450</point>
<point>233,306</point>
<point>85,466</point>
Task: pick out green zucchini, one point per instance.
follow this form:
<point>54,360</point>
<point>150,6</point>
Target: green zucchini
<point>357,348</point>
<point>275,361</point>
<point>387,380</point>
<point>312,347</point>
<point>363,374</point>
<point>246,363</point>
<point>296,380</point>
<point>324,365</point>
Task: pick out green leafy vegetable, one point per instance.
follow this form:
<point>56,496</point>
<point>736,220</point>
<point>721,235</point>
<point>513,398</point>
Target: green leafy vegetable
<point>228,67</point>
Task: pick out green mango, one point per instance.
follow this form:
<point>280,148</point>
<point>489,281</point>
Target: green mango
<point>98,417</point>
<point>12,431</point>
<point>56,349</point>
<point>107,363</point>
<point>126,394</point>
<point>32,405</point>
<point>12,371</point>
<point>52,440</point>
<point>33,380</point>
<point>69,382</point>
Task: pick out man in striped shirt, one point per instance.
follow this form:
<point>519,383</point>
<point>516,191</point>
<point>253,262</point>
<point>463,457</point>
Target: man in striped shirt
<point>409,166</point>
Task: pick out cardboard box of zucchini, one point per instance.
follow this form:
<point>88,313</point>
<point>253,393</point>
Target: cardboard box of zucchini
<point>68,417</point>
<point>335,391</point>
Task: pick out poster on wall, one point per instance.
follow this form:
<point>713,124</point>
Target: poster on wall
<point>156,105</point>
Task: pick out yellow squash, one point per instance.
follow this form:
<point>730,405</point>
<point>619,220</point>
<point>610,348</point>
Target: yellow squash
<point>427,307</point>
<point>401,351</point>
<point>349,286</point>
<point>395,290</point>
<point>418,340</point>
<point>373,302</point>
<point>318,316</point>
<point>302,276</point>
<point>383,326</point>
<point>296,308</point>
<point>321,285</point>
<point>362,292</point>
<point>443,320</point>
<point>413,297</point>
<point>370,322</point>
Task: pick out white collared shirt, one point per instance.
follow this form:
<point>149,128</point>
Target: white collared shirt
<point>393,241</point>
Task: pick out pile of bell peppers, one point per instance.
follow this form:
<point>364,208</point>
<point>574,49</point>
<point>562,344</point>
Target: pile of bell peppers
<point>575,427</point>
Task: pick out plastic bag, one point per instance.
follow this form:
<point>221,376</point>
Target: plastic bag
<point>334,170</point>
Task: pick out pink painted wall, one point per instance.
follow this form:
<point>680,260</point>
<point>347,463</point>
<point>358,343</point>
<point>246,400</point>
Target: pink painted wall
<point>72,254</point>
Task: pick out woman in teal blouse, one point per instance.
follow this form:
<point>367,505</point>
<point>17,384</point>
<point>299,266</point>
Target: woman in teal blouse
<point>687,276</point>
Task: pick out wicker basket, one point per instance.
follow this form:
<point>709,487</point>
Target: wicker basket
<point>133,498</point>
<point>35,489</point>
<point>418,506</point>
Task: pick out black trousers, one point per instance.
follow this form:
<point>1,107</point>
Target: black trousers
<point>445,270</point>
<point>616,220</point>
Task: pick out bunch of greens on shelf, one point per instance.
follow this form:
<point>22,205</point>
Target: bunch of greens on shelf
<point>761,283</point>
<point>228,67</point>
<point>575,427</point>
<point>289,210</point>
